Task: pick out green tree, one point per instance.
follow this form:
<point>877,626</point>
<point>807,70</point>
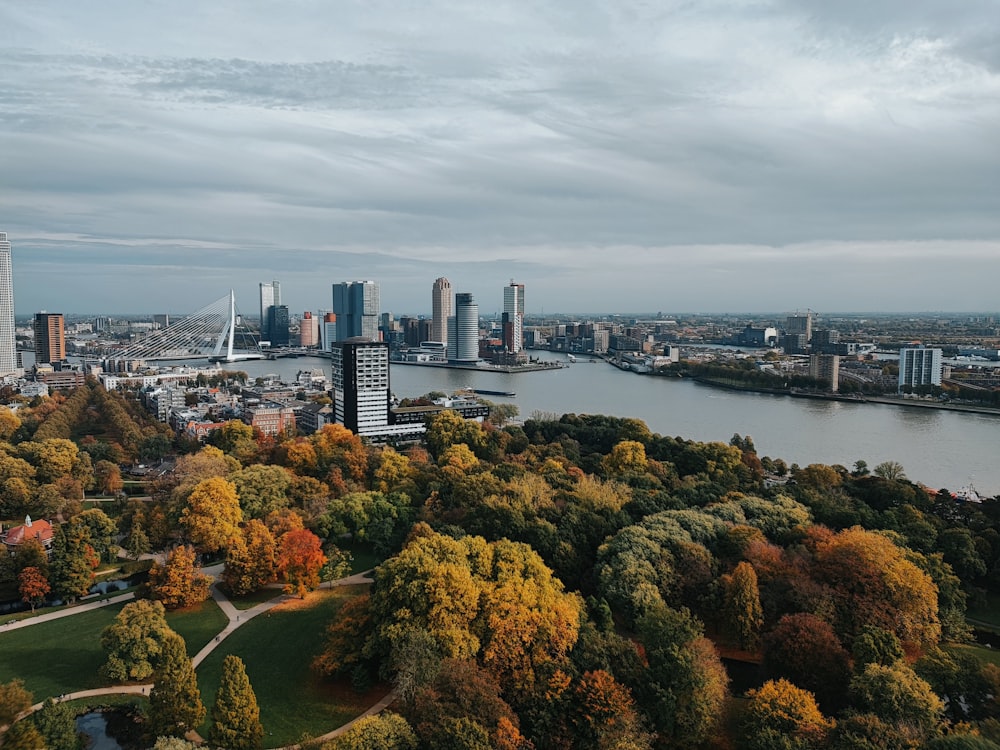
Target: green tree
<point>56,722</point>
<point>102,531</point>
<point>137,542</point>
<point>23,736</point>
<point>384,731</point>
<point>896,694</point>
<point>235,714</point>
<point>174,702</point>
<point>741,608</point>
<point>73,561</point>
<point>876,646</point>
<point>262,489</point>
<point>688,684</point>
<point>134,641</point>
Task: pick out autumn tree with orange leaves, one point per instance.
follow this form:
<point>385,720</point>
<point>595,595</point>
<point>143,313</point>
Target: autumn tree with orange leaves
<point>300,560</point>
<point>33,586</point>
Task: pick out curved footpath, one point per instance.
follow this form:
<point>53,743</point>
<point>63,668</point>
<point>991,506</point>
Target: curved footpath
<point>236,618</point>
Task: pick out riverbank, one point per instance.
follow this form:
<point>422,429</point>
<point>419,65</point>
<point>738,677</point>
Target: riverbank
<point>505,369</point>
<point>851,398</point>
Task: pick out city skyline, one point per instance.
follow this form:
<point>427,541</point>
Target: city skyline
<point>694,157</point>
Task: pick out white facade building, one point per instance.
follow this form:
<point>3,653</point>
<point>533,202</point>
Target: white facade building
<point>919,366</point>
<point>513,310</point>
<point>463,330</point>
<point>270,295</point>
<point>8,347</point>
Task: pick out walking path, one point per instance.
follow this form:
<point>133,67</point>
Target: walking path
<point>236,618</point>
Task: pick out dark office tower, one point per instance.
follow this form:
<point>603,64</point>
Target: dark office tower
<point>270,295</point>
<point>356,305</point>
<point>361,394</point>
<point>277,325</point>
<point>50,338</point>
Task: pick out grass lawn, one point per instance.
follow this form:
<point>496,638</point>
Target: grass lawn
<point>56,657</point>
<point>985,655</point>
<point>364,558</point>
<point>197,625</point>
<point>277,648</point>
<point>257,597</point>
<point>985,613</point>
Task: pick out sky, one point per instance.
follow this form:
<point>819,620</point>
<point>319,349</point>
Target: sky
<point>611,155</point>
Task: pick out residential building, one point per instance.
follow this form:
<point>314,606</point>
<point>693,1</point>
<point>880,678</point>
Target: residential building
<point>919,366</point>
<point>800,323</point>
<point>39,530</point>
<point>328,331</point>
<point>270,295</point>
<point>463,330</point>
<point>8,347</point>
<point>50,338</point>
<point>513,316</point>
<point>356,305</point>
<point>441,309</point>
<point>361,394</point>
<point>270,417</point>
<point>826,368</point>
<point>313,417</point>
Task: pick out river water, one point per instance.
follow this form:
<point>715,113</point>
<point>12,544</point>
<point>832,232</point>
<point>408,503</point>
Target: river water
<point>939,448</point>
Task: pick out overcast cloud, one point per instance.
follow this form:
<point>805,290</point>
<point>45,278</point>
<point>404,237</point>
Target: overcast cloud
<point>612,155</point>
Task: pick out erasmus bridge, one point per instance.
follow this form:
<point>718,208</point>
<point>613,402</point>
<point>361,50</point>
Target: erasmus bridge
<point>216,332</point>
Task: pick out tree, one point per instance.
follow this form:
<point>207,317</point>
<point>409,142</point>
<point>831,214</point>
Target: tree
<point>73,561</point>
<point>9,424</point>
<point>14,699</point>
<point>102,531</point>
<point>235,714</point>
<point>688,684</point>
<point>384,731</point>
<point>262,489</point>
<point>781,715</point>
<point>134,641</point>
<point>804,649</point>
<point>300,559</point>
<point>741,606</point>
<point>895,694</point>
<point>177,583</point>
<point>108,477</point>
<point>23,736</point>
<point>137,542</point>
<point>875,646</point>
<point>56,722</point>
<point>891,470</point>
<point>251,561</point>
<point>33,586</point>
<point>606,715</point>
<point>31,554</point>
<point>627,457</point>
<point>213,516</point>
<point>235,438</point>
<point>174,702</point>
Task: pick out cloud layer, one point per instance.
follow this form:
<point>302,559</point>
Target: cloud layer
<point>731,155</point>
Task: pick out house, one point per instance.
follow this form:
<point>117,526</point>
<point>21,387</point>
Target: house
<point>18,535</point>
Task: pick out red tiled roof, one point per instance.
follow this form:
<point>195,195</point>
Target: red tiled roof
<point>40,530</point>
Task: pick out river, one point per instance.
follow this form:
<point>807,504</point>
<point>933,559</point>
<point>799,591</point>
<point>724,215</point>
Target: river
<point>936,447</point>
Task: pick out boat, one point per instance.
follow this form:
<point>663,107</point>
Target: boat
<point>483,392</point>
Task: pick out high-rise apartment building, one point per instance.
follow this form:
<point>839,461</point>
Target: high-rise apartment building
<point>826,368</point>
<point>513,310</point>
<point>270,295</point>
<point>440,310</point>
<point>463,330</point>
<point>800,324</point>
<point>8,348</point>
<point>356,305</point>
<point>50,338</point>
<point>919,366</point>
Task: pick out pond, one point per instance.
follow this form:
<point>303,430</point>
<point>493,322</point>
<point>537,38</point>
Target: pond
<point>94,725</point>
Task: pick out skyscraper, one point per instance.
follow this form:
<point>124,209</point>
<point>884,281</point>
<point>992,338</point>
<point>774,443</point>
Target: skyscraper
<point>361,394</point>
<point>270,295</point>
<point>277,325</point>
<point>513,310</point>
<point>356,305</point>
<point>309,330</point>
<point>440,310</point>
<point>50,338</point>
<point>463,330</point>
<point>8,349</point>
